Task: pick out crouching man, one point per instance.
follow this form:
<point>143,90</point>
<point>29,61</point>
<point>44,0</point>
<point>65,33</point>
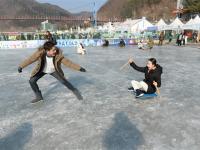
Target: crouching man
<point>49,59</point>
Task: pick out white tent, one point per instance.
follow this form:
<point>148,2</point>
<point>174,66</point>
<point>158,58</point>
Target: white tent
<point>197,23</point>
<point>197,20</point>
<point>161,25</point>
<point>126,26</point>
<point>175,25</point>
<point>141,25</point>
<point>193,24</point>
<point>190,22</point>
<point>136,25</point>
<point>189,25</point>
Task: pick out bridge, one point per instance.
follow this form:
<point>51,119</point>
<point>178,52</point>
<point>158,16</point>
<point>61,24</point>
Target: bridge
<point>59,18</point>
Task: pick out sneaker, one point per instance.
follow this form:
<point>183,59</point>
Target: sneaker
<point>139,93</point>
<point>36,100</point>
<point>131,89</point>
<point>38,97</point>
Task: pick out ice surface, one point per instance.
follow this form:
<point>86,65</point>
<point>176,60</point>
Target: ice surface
<point>109,118</point>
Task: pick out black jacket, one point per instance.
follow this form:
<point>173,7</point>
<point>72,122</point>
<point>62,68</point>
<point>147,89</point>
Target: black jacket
<point>51,39</point>
<point>154,75</point>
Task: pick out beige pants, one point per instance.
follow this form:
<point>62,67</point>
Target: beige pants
<point>139,85</point>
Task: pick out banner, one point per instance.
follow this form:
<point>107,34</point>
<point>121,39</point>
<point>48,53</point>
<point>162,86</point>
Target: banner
<point>19,44</point>
<point>61,43</point>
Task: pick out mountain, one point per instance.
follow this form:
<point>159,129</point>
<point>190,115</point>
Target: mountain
<point>29,8</point>
<point>112,9</point>
<point>152,9</point>
<point>84,14</point>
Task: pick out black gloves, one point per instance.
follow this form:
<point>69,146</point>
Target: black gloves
<point>19,69</point>
<point>82,69</point>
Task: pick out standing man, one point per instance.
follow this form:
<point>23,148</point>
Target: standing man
<point>183,38</point>
<point>49,60</point>
<point>161,38</point>
<point>49,37</point>
<point>179,39</point>
<point>170,37</point>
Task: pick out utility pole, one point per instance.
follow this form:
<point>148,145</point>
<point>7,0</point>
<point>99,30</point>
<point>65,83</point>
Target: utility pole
<point>95,15</point>
<point>179,7</point>
<point>179,4</point>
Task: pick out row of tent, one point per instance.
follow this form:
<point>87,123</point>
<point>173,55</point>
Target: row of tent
<point>177,24</point>
<point>143,24</point>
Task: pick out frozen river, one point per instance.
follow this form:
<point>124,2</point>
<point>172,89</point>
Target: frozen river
<point>109,117</point>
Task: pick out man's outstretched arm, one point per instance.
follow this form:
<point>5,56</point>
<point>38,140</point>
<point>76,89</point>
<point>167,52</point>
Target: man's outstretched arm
<point>68,63</point>
<point>33,58</point>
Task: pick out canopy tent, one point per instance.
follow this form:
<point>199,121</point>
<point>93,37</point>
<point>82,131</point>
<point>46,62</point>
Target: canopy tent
<point>197,23</point>
<point>137,25</point>
<point>141,25</point>
<point>126,26</point>
<point>189,25</point>
<point>161,25</point>
<point>192,24</point>
<point>175,25</point>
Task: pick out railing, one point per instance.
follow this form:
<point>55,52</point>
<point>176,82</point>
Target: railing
<point>57,18</point>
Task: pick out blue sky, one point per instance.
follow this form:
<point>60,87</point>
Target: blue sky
<point>76,5</point>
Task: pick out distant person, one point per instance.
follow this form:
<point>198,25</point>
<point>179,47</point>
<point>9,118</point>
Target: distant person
<point>184,38</point>
<point>179,39</point>
<point>148,46</point>
<point>122,43</point>
<point>170,37</point>
<point>161,38</point>
<point>81,49</point>
<point>49,37</point>
<point>195,37</point>
<point>152,79</point>
<point>150,43</point>
<point>49,60</point>
<point>141,45</point>
<point>106,43</point>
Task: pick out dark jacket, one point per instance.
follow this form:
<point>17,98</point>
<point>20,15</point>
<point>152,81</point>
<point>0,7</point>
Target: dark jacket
<point>122,43</point>
<point>40,56</point>
<point>161,37</point>
<point>50,38</point>
<point>153,75</point>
